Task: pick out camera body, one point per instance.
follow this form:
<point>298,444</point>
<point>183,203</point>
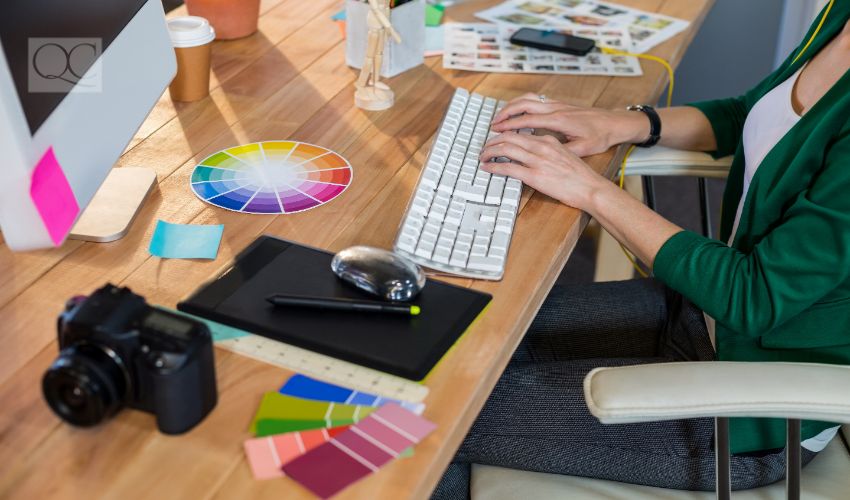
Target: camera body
<point>116,351</point>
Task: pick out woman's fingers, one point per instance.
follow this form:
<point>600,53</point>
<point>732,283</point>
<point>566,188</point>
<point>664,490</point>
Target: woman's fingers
<point>521,106</point>
<point>514,170</point>
<point>510,150</point>
<point>549,121</point>
<point>526,141</point>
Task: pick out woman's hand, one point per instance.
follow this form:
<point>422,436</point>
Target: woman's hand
<point>588,131</point>
<point>546,165</point>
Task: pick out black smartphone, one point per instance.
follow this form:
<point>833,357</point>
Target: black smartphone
<point>553,40</point>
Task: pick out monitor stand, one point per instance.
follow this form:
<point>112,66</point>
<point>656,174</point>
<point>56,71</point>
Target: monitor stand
<point>115,205</point>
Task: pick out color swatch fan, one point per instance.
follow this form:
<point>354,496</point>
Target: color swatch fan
<point>273,177</point>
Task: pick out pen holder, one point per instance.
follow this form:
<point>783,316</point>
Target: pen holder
<point>408,19</point>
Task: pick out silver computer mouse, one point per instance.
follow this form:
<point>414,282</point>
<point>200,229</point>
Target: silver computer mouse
<point>379,272</point>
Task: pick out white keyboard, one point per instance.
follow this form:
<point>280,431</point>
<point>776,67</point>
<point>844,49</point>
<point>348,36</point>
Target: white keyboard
<point>460,219</point>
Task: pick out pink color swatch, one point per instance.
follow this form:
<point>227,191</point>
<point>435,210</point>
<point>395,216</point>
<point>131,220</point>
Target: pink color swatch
<point>53,197</point>
<point>364,448</point>
<point>266,455</point>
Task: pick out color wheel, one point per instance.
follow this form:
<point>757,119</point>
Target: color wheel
<point>272,177</point>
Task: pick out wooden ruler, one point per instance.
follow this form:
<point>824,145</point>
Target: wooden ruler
<point>326,368</point>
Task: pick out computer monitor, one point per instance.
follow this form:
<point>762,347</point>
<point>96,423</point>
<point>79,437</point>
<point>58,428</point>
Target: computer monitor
<point>77,79</point>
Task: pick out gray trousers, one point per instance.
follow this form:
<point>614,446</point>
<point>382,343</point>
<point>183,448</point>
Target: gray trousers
<point>536,418</point>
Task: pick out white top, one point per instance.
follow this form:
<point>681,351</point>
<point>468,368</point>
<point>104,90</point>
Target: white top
<point>767,123</point>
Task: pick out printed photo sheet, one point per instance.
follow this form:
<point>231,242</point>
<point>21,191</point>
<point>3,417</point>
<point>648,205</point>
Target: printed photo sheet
<point>486,47</point>
<point>647,29</point>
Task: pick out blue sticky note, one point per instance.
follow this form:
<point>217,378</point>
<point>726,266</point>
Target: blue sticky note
<point>185,241</point>
<point>339,16</point>
<point>304,387</point>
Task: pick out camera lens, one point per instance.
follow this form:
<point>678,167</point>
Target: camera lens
<point>85,385</point>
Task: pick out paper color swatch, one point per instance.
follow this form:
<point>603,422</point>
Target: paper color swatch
<point>279,414</point>
<point>185,241</point>
<point>53,198</point>
<point>301,386</point>
<point>361,450</point>
<point>266,455</point>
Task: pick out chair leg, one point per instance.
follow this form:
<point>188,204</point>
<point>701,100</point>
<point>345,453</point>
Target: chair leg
<point>649,191</point>
<point>722,459</point>
<point>793,460</point>
<point>705,209</point>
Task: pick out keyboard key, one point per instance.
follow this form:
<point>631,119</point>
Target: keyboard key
<point>478,251</point>
<point>454,217</point>
<point>409,231</point>
<point>494,191</point>
<point>511,195</point>
<point>441,256</point>
<point>447,183</point>
<point>500,241</point>
<point>458,258</point>
<point>415,221</point>
<point>485,263</point>
<point>407,243</point>
<point>420,207</point>
<point>465,237</point>
<point>482,178</point>
<point>477,193</point>
<point>430,179</point>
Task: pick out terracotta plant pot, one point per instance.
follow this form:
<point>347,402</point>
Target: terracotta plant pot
<point>230,18</point>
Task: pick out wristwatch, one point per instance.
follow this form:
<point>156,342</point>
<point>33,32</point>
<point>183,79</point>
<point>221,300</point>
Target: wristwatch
<point>654,124</point>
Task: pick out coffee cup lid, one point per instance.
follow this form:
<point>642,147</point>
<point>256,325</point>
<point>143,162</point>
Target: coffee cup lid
<point>190,31</point>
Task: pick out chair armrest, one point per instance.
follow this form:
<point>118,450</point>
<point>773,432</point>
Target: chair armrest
<point>661,161</point>
<point>668,391</point>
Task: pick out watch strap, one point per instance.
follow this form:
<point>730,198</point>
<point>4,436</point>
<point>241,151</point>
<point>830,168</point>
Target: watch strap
<point>654,124</point>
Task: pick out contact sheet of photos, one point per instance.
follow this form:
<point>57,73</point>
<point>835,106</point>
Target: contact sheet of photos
<point>486,47</point>
<point>646,29</point>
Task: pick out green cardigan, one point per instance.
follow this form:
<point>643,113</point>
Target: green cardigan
<point>781,292</point>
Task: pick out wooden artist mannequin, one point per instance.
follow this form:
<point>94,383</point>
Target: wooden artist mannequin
<point>371,94</point>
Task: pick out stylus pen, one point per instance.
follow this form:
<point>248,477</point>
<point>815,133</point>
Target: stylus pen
<point>280,300</point>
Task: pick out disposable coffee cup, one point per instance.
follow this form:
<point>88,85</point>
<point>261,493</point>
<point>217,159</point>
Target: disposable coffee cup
<point>192,38</point>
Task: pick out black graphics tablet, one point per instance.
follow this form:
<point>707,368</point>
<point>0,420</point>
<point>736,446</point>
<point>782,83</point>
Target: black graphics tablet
<point>396,344</point>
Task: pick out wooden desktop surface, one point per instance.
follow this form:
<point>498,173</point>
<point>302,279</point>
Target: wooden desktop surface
<point>289,81</point>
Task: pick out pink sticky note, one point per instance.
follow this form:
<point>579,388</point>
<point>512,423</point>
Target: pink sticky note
<point>53,197</point>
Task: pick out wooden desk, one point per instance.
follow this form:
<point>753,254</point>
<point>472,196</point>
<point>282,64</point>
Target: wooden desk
<point>288,81</point>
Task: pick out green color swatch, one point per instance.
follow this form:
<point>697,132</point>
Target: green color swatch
<point>278,414</point>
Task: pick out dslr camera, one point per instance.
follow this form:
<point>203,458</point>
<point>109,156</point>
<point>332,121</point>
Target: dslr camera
<point>116,351</point>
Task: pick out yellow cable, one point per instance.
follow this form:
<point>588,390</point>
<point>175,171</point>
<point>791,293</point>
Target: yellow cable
<point>670,73</point>
<point>622,186</point>
<point>670,87</point>
<point>817,30</point>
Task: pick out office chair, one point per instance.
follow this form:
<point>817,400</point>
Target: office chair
<point>670,391</point>
<point>643,165</point>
